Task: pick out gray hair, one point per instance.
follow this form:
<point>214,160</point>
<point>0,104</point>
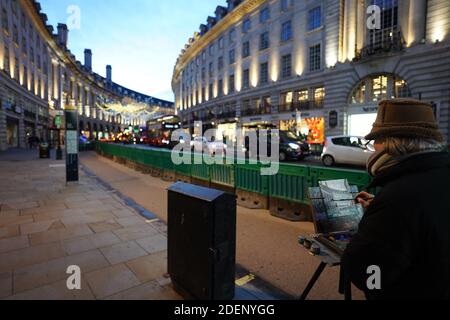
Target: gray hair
<point>406,146</point>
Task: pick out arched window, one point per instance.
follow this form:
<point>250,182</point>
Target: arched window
<point>380,87</point>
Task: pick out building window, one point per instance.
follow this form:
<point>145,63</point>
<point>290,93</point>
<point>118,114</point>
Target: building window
<point>286,66</point>
<point>232,35</point>
<point>314,18</point>
<point>264,41</point>
<point>232,56</point>
<point>285,5</point>
<point>379,88</point>
<point>220,88</point>
<point>17,69</point>
<point>211,69</point>
<point>264,73</point>
<point>203,73</point>
<point>25,77</point>
<point>286,31</point>
<point>246,79</point>
<point>220,63</point>
<point>203,94</point>
<point>24,45</point>
<point>231,87</point>
<point>211,94</point>
<point>6,63</point>
<point>204,55</point>
<point>15,35</point>
<point>314,58</point>
<point>264,15</point>
<point>319,97</point>
<point>211,49</point>
<point>5,22</point>
<point>221,43</point>
<point>389,32</point>
<point>303,95</point>
<point>246,49</point>
<point>246,25</point>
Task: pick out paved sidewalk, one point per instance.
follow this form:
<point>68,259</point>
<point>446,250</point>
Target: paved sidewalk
<point>46,227</point>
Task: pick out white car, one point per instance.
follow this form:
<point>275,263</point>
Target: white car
<point>347,150</point>
<point>210,147</point>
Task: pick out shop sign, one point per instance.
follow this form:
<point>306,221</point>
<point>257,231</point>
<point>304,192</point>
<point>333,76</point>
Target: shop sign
<point>58,122</point>
<point>333,119</point>
<point>370,109</point>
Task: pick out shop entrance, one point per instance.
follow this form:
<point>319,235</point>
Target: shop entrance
<point>12,132</point>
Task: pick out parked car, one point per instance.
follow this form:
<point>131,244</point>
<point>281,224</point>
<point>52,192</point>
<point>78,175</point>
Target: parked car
<point>347,150</point>
<point>292,147</point>
<point>210,147</point>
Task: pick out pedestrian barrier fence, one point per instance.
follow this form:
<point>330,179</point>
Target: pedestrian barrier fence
<point>290,183</point>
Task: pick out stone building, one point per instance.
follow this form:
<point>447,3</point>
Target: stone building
<point>39,77</point>
<point>318,67</point>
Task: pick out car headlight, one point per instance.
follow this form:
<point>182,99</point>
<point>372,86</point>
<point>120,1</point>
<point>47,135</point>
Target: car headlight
<point>294,146</point>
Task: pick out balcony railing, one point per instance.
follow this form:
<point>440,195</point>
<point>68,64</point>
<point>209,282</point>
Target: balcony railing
<point>390,44</point>
<point>29,114</point>
<point>257,111</point>
<point>300,106</point>
<point>227,115</point>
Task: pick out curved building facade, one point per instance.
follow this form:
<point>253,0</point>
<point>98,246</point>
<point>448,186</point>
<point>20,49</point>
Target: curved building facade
<point>40,77</point>
<point>317,67</point>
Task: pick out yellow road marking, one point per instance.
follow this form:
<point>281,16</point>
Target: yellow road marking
<point>244,280</point>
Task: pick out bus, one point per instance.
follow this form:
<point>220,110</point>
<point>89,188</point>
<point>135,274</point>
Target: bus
<point>159,131</point>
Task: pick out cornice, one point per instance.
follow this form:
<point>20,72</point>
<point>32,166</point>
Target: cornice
<point>233,17</point>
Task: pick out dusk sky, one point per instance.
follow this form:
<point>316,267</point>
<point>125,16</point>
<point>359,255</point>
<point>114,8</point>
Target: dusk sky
<point>141,39</point>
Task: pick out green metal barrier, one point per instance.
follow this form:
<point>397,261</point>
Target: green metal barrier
<point>200,171</point>
<point>248,178</point>
<point>222,174</point>
<point>354,177</point>
<point>291,183</point>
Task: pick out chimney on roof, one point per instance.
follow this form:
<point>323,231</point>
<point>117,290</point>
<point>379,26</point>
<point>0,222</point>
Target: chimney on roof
<point>88,59</point>
<point>63,35</point>
<point>109,73</point>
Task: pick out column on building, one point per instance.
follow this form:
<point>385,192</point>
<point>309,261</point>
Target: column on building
<point>3,137</point>
<point>361,25</point>
<point>349,34</point>
<point>22,136</point>
<point>417,17</point>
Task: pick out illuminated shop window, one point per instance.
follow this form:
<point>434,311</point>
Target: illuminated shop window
<point>380,85</point>
<point>303,95</point>
<point>319,96</point>
<point>360,94</point>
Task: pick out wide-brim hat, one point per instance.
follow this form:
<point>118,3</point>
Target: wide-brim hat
<point>405,118</point>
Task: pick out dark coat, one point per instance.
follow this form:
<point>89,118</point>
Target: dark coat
<point>406,232</point>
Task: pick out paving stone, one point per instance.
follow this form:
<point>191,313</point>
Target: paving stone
<point>24,205</point>
<point>52,271</point>
<point>154,243</point>
<point>103,226</point>
<point>147,291</point>
<point>123,252</point>
<point>94,241</point>
<point>56,291</point>
<point>9,232</point>
<point>131,221</point>
<point>149,267</point>
<point>13,221</point>
<point>36,227</point>
<point>33,255</point>
<point>11,244</point>
<point>136,232</point>
<point>59,235</point>
<point>123,213</point>
<point>112,280</point>
<point>6,283</point>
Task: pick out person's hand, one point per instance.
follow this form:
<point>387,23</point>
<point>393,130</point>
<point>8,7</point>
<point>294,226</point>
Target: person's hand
<point>365,199</point>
